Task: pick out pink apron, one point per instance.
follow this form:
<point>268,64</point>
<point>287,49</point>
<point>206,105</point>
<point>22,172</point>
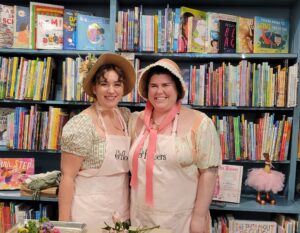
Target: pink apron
<point>101,192</point>
<point>174,191</point>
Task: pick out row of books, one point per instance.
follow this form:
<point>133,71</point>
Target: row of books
<point>191,30</point>
<point>13,212</point>
<point>244,84</point>
<point>72,89</point>
<point>209,84</point>
<point>242,139</point>
<point>228,223</point>
<point>49,26</point>
<point>22,78</point>
<point>32,129</point>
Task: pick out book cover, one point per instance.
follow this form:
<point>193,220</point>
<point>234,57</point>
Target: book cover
<point>6,26</point>
<point>227,36</point>
<point>49,32</point>
<point>249,226</point>
<point>14,171</point>
<point>37,8</point>
<point>229,183</point>
<point>21,27</point>
<point>70,18</point>
<point>92,33</point>
<point>4,112</point>
<point>197,34</point>
<point>185,13</point>
<point>271,35</point>
<point>213,29</point>
<point>244,35</point>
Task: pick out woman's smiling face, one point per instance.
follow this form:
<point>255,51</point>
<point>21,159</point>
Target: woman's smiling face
<point>162,92</point>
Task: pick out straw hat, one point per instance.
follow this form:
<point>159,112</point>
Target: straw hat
<point>167,64</point>
<point>114,59</point>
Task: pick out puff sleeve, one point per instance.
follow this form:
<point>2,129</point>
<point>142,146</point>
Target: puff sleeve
<point>208,145</point>
<point>132,124</point>
<point>77,136</point>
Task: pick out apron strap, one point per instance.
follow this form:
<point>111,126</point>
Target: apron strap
<point>193,138</point>
<point>120,118</point>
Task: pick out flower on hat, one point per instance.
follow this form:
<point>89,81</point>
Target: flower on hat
<point>87,64</point>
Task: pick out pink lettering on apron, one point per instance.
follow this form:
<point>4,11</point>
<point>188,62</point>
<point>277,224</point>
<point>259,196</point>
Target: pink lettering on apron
<point>101,192</point>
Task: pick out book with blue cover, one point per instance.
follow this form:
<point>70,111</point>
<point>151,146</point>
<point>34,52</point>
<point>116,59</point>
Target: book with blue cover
<point>21,27</point>
<point>92,33</point>
<point>271,35</point>
<point>70,18</point>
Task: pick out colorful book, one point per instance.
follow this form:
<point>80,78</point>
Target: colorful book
<point>229,183</point>
<point>14,171</point>
<point>271,35</point>
<point>92,33</point>
<point>213,29</point>
<point>197,34</point>
<point>4,112</point>
<point>21,27</point>
<point>70,18</point>
<point>227,36</point>
<point>49,32</point>
<point>6,26</point>
<point>185,13</point>
<point>244,35</point>
<point>37,8</point>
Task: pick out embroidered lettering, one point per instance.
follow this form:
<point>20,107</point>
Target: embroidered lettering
<point>121,155</point>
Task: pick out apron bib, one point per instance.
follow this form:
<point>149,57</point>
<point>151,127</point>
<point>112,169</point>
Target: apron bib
<point>101,192</point>
<point>169,179</point>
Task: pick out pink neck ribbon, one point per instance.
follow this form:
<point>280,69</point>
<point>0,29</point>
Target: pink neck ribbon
<point>151,148</point>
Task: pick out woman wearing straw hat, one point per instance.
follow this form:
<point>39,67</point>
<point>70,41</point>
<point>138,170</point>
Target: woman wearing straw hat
<point>95,146</point>
<point>174,155</point>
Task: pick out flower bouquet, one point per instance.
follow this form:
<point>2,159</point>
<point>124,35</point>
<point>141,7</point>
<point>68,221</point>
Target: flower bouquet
<point>124,227</point>
<point>42,226</point>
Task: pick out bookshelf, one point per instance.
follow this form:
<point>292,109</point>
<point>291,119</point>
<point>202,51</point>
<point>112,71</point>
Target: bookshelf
<point>288,201</point>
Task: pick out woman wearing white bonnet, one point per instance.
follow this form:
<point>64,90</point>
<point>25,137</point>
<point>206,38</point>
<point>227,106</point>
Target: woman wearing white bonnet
<point>173,157</point>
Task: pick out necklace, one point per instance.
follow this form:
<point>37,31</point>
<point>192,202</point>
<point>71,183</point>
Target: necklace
<point>155,125</point>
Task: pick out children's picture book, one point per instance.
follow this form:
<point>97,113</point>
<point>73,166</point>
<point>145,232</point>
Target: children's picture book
<point>213,29</point>
<point>49,32</point>
<point>229,183</point>
<point>6,26</point>
<point>4,112</point>
<point>197,34</point>
<point>70,18</point>
<point>14,171</point>
<point>185,13</point>
<point>92,33</point>
<point>249,226</point>
<point>37,8</point>
<point>244,35</point>
<point>227,36</point>
<point>21,27</point>
<point>271,35</point>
